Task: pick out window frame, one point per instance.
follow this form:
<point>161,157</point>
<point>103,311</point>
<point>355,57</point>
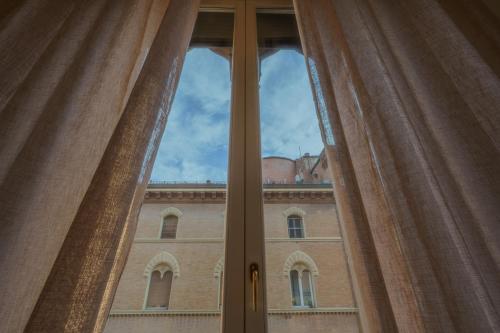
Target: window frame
<point>302,226</point>
<point>165,213</point>
<point>148,286</point>
<point>244,243</point>
<point>164,225</point>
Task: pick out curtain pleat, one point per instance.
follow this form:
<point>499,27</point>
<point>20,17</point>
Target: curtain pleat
<point>81,286</point>
<point>416,98</point>
<point>66,72</point>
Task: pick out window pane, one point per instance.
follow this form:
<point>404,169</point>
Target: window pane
<point>296,177</point>
<point>299,233</point>
<point>181,223</point>
<point>307,289</point>
<point>294,280</point>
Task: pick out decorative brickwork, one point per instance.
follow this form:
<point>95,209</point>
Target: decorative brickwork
<point>299,257</point>
<point>321,194</point>
<point>163,258</point>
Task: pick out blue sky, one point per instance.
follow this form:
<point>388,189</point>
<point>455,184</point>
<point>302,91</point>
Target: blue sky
<point>195,143</point>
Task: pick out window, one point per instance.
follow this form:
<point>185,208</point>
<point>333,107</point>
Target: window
<point>295,226</point>
<point>169,227</point>
<point>302,287</point>
<point>160,284</point>
<point>265,59</point>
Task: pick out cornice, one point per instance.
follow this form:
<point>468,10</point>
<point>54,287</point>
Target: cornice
<point>218,196</point>
<point>211,313</point>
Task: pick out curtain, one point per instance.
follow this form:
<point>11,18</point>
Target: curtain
<point>411,90</point>
<point>66,124</point>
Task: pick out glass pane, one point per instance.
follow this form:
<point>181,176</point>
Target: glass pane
<point>187,193</point>
<point>294,281</point>
<point>307,289</point>
<point>298,193</point>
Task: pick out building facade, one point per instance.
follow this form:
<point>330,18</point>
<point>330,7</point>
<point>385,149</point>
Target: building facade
<point>173,278</point>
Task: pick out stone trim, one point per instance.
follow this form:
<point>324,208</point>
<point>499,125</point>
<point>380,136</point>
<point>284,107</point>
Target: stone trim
<point>221,240</point>
<point>172,313</point>
<point>163,258</point>
<point>219,268</point>
<point>302,195</point>
<point>170,211</point>
<point>162,313</point>
<point>300,257</point>
<point>305,240</point>
<point>294,211</point>
<point>309,311</point>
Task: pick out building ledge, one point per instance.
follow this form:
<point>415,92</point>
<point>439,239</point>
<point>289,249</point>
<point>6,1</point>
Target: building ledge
<point>154,185</point>
<point>218,195</point>
<point>221,240</point>
<point>272,312</point>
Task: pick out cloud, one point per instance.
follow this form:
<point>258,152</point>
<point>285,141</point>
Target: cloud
<point>288,116</point>
<point>195,143</point>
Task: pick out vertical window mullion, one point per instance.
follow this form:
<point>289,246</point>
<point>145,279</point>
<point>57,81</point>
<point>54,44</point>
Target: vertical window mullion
<point>256,318</point>
<point>233,305</point>
<point>301,291</point>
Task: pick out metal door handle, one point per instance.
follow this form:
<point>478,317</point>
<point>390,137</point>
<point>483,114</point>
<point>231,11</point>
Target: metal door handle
<point>254,276</point>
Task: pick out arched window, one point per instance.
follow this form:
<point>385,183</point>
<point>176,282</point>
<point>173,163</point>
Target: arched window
<point>295,226</point>
<point>160,285</point>
<point>302,286</point>
<point>169,227</point>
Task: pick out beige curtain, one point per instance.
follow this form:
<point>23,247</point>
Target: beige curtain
<point>414,89</point>
<point>66,74</point>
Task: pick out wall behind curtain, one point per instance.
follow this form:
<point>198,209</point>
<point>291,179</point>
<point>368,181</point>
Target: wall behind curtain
<point>66,71</point>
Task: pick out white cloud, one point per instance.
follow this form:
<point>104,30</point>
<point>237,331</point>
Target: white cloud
<point>192,148</point>
<point>195,143</point>
<point>287,107</point>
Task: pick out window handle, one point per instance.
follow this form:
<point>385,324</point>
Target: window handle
<point>254,276</point>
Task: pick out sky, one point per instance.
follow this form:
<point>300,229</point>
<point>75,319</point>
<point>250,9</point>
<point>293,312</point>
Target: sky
<point>195,142</point>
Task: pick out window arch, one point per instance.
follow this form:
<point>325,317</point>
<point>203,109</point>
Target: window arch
<point>299,257</point>
<point>159,288</point>
<point>295,226</point>
<point>163,258</point>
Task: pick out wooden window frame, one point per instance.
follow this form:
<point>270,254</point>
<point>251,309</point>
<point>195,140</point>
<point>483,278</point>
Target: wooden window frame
<point>244,244</point>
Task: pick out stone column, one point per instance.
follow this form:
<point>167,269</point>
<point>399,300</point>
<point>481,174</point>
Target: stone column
<point>66,71</point>
<point>80,289</point>
<point>416,91</point>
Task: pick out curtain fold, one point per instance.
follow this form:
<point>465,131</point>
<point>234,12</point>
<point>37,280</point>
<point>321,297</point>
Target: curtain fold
<point>66,71</point>
<point>416,97</point>
<point>81,286</point>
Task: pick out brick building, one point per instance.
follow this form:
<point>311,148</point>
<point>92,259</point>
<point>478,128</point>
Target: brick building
<point>172,280</point>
